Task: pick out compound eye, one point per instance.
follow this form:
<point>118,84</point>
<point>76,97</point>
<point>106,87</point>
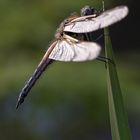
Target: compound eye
<point>87,10</point>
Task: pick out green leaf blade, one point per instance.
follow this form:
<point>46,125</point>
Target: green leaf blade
<point>118,118</point>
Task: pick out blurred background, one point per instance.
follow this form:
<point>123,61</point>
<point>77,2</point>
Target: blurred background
<point>70,99</point>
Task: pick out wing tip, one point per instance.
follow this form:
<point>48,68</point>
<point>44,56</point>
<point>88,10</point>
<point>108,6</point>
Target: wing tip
<point>125,9</point>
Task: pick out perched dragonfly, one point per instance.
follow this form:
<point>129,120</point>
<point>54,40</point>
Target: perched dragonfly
<point>69,48</point>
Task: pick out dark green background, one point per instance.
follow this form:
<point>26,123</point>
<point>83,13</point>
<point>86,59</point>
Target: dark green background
<point>69,102</point>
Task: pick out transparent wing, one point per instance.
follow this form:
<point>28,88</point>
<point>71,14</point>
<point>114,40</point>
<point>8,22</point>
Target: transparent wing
<point>81,51</point>
<point>89,23</point>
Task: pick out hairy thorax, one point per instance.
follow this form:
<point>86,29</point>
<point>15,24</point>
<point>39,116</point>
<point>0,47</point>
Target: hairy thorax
<point>60,30</point>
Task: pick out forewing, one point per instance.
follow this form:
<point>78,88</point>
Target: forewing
<point>90,23</point>
<point>81,51</point>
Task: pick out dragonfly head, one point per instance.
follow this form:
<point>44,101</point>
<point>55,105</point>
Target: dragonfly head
<point>87,10</point>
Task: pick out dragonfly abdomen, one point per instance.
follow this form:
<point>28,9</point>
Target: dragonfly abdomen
<point>30,83</point>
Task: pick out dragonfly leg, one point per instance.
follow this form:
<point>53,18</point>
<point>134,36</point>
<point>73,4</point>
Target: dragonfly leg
<point>99,37</point>
<point>105,60</point>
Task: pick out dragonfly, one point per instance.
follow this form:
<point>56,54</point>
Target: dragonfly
<point>67,48</point>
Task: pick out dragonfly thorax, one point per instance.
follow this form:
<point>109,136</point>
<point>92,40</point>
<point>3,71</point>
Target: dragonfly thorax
<point>60,30</point>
